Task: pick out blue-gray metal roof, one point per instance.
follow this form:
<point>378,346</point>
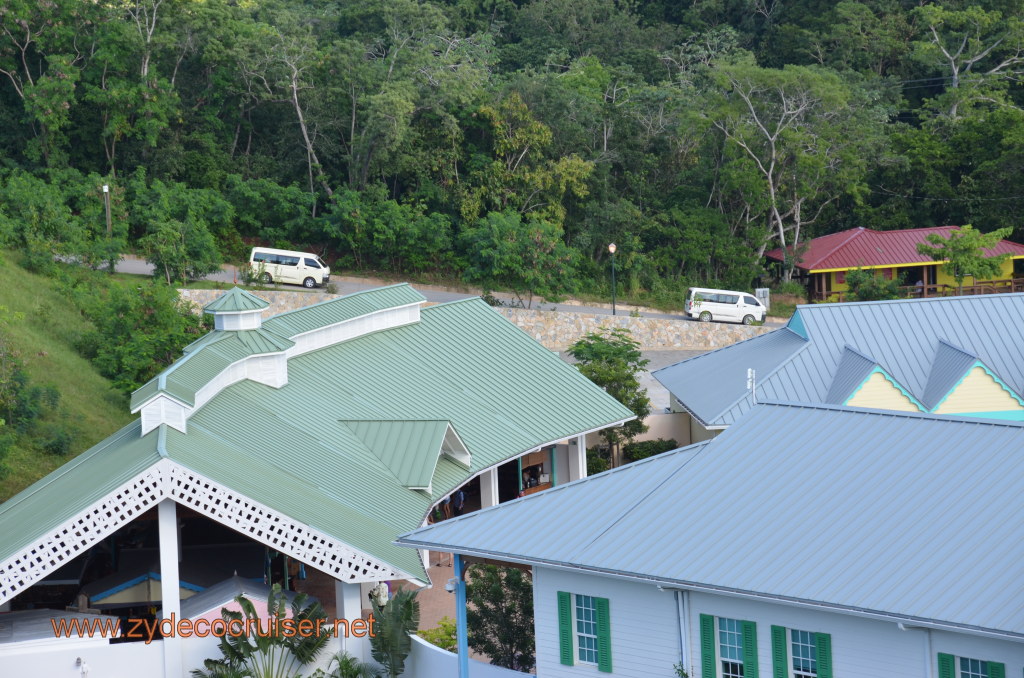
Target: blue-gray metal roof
<point>903,337</point>
<point>914,516</point>
<point>853,369</point>
<point>711,384</point>
<point>950,366</point>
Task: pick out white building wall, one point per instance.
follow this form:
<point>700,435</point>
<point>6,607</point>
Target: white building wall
<point>861,648</point>
<point>987,649</point>
<point>645,640</point>
<point>123,660</point>
<point>644,630</point>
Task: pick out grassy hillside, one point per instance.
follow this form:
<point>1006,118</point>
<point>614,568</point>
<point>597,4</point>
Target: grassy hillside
<point>45,339</point>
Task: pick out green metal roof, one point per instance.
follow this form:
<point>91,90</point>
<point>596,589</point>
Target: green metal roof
<point>463,364</point>
<point>236,300</point>
<point>205,359</point>
<point>341,309</point>
<point>409,449</point>
<point>73,487</point>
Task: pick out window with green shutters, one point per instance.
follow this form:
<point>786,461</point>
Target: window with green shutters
<point>728,647</point>
<point>584,631</point>
<point>951,666</point>
<point>800,654</point>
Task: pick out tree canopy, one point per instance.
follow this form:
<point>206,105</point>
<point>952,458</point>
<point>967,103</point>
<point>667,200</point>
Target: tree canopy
<point>442,137</point>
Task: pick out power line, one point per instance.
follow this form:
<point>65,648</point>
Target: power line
<point>892,194</point>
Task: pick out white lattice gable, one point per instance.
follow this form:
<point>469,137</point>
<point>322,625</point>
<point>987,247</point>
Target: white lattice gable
<point>167,479</point>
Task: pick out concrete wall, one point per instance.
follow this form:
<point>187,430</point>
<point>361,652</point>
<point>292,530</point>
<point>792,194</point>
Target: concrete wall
<point>556,330</point>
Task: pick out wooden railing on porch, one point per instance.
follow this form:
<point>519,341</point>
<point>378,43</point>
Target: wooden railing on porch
<point>922,291</point>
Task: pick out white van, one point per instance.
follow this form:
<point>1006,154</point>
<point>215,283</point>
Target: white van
<point>708,304</point>
<point>284,266</point>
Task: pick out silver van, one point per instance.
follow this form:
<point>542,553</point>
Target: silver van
<point>285,266</point>
<point>706,304</point>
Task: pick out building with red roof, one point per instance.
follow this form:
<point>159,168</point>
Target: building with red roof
<point>894,254</point>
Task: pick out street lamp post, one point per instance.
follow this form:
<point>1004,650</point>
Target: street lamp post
<point>110,230</point>
<point>612,248</point>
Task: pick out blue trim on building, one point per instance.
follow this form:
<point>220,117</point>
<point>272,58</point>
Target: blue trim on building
<point>155,576</point>
<point>796,324</point>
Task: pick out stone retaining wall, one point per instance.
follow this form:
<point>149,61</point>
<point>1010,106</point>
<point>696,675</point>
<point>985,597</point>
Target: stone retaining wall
<point>556,330</point>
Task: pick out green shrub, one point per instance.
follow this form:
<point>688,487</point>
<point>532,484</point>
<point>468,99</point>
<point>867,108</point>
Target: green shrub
<point>56,439</point>
<point>443,635</point>
<point>647,448</point>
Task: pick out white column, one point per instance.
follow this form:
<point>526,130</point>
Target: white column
<point>170,592</point>
<point>577,458</point>
<point>489,487</point>
<point>349,602</point>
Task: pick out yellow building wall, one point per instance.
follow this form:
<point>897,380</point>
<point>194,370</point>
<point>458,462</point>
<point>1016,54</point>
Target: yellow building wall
<point>979,392</point>
<point>941,276</point>
<point>880,393</point>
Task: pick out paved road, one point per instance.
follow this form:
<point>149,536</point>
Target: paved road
<point>347,285</point>
<point>435,293</point>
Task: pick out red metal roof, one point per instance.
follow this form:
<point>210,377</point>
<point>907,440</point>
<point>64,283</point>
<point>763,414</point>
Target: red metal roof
<point>862,247</point>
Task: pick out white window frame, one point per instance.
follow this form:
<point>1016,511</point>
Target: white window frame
<point>576,634</point>
<point>960,673</point>
<point>791,655</point>
<point>719,659</point>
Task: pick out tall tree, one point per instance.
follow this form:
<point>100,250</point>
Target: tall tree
<point>612,360</point>
<point>803,132</point>
<point>500,616</point>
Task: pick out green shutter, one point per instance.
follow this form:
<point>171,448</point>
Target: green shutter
<point>996,670</point>
<point>823,645</point>
<point>707,646</point>
<point>780,658</point>
<point>565,627</point>
<point>749,649</point>
<point>947,666</point>
<point>604,636</point>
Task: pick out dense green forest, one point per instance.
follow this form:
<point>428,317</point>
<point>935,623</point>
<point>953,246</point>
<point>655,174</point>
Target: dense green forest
<point>506,142</point>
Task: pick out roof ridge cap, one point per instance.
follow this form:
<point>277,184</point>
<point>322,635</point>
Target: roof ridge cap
<point>345,296</point>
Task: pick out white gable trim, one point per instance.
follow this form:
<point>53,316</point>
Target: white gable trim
<point>453,447</point>
<point>384,319</point>
<point>264,368</point>
<point>168,479</point>
<point>269,368</point>
<point>163,409</point>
